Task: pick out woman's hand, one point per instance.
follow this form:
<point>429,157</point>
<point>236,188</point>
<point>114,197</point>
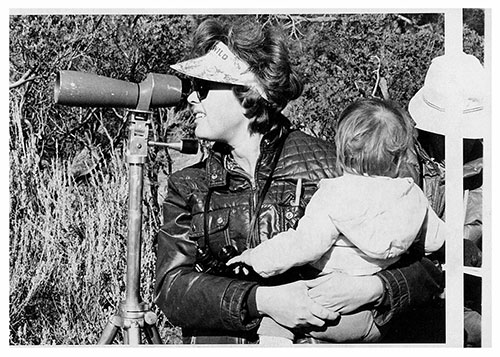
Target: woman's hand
<point>344,293</point>
<point>290,306</point>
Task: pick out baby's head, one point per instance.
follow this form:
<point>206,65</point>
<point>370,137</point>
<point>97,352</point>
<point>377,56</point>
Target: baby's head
<point>373,137</point>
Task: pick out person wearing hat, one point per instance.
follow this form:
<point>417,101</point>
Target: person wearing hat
<point>256,181</point>
<point>456,78</point>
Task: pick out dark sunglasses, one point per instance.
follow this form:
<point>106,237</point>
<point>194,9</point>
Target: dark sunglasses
<point>202,87</point>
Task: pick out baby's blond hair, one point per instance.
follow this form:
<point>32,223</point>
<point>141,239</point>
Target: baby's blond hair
<point>372,138</point>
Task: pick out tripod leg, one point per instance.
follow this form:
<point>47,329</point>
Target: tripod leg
<point>152,334</point>
<point>109,332</point>
<point>132,334</point>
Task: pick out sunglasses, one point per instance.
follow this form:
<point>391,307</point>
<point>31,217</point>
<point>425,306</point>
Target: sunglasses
<point>202,87</point>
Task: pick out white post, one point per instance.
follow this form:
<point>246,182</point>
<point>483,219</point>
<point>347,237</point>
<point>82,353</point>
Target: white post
<point>486,292</point>
<point>454,196</point>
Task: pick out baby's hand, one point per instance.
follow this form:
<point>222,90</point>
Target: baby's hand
<point>244,258</point>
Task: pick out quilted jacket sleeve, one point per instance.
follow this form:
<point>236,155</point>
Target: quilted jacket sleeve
<point>190,299</point>
<point>408,285</point>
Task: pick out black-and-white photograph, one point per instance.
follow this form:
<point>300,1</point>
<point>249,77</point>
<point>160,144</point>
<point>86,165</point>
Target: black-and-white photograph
<point>179,177</point>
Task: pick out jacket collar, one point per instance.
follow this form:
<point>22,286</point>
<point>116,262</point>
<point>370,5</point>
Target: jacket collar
<point>216,169</point>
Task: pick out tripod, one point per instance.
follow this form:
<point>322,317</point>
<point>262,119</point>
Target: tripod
<point>157,90</point>
<point>133,315</point>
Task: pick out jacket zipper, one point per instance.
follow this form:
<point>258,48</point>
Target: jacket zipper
<point>253,188</point>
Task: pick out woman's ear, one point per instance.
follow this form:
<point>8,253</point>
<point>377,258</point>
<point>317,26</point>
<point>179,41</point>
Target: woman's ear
<point>249,107</point>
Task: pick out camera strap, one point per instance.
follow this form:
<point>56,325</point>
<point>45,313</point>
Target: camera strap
<point>253,236</point>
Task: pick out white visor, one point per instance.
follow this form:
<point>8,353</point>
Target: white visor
<point>221,65</point>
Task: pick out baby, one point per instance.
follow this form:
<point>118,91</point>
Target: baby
<point>358,223</point>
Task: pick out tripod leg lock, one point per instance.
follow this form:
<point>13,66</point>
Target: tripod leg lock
<point>150,318</point>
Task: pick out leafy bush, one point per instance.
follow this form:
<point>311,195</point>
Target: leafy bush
<point>341,57</point>
<point>349,57</point>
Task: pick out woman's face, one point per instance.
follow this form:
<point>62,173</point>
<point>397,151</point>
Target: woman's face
<point>218,114</point>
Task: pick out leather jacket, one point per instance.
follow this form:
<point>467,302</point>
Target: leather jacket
<point>215,309</point>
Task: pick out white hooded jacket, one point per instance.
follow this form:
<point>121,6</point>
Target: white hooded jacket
<point>357,225</point>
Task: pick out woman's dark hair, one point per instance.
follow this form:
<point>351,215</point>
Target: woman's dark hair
<point>264,49</point>
<point>373,137</point>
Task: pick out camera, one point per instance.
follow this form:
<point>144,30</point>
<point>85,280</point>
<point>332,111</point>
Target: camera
<point>207,262</point>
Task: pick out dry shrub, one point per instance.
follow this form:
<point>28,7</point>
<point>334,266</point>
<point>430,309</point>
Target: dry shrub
<point>67,255</point>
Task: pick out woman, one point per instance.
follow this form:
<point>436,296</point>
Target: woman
<point>255,183</point>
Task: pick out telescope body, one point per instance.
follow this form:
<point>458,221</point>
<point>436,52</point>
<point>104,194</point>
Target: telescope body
<point>82,89</point>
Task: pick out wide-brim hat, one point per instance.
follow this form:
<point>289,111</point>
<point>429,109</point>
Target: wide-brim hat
<point>452,78</point>
<point>221,65</point>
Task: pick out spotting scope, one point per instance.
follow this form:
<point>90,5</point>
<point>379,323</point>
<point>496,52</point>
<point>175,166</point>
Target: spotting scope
<point>83,89</point>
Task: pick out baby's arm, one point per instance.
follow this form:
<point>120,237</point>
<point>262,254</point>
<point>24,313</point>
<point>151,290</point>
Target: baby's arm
<point>245,258</point>
<point>314,236</point>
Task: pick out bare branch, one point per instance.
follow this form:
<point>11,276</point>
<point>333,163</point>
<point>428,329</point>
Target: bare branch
<point>24,78</point>
<point>411,22</point>
<point>377,72</point>
<point>405,19</point>
<point>384,88</point>
<point>299,18</point>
